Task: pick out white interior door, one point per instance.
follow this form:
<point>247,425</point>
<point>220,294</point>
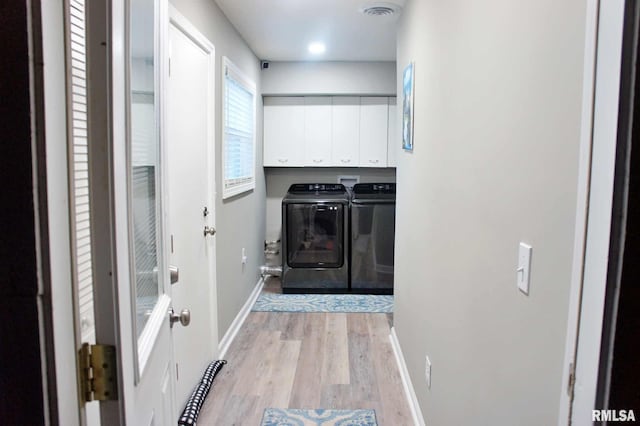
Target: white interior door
<point>145,293</point>
<point>132,295</point>
<point>190,170</point>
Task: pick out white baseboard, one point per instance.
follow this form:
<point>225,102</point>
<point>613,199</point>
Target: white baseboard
<point>231,333</point>
<point>409,391</point>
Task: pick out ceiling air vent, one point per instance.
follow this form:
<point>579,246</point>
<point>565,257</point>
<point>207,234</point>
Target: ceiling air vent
<point>380,9</point>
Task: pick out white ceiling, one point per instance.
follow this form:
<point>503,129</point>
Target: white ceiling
<point>280,30</point>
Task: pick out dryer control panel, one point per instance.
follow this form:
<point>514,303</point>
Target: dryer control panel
<point>317,187</point>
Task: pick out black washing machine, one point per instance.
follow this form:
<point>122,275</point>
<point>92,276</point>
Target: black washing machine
<point>373,214</point>
<point>315,242</point>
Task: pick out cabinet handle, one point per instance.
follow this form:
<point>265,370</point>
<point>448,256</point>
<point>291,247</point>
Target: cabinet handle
<point>283,160</point>
<point>317,160</point>
<point>373,161</point>
<point>345,160</point>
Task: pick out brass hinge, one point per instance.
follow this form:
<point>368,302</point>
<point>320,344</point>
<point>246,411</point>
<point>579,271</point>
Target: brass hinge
<point>98,372</point>
<point>572,381</point>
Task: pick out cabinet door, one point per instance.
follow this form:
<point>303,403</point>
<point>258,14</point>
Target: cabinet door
<point>393,134</point>
<point>345,138</point>
<point>317,131</point>
<point>374,113</point>
<point>284,131</point>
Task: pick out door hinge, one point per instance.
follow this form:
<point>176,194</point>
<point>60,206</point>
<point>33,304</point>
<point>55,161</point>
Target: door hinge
<point>572,381</point>
<point>98,372</point>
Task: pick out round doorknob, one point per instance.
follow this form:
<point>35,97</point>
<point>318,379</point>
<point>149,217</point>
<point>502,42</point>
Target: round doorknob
<point>184,317</point>
<point>209,230</point>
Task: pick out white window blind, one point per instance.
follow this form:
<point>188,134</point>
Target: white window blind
<point>80,163</point>
<point>239,131</point>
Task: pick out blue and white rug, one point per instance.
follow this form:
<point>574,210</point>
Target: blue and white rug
<point>295,417</point>
<point>364,303</point>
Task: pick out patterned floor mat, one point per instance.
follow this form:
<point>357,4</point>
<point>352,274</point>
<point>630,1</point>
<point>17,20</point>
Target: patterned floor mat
<point>320,417</point>
<point>365,303</point>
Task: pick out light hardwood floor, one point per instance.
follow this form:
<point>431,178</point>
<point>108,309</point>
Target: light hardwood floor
<point>308,360</point>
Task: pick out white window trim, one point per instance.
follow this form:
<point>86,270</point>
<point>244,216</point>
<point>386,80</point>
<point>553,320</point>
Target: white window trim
<point>248,84</point>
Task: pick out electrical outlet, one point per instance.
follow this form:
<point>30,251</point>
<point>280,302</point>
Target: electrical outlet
<point>244,256</point>
<point>427,371</point>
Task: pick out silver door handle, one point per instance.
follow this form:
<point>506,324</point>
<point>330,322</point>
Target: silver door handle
<point>184,317</point>
<point>174,274</point>
<point>209,230</point>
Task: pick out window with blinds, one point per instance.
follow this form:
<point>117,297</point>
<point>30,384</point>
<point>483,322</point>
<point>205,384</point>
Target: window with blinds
<point>79,152</point>
<point>239,106</point>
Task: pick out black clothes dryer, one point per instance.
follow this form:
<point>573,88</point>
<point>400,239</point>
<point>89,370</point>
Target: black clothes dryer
<point>315,255</point>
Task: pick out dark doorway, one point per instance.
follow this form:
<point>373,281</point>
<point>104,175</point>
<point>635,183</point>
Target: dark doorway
<point>22,400</point>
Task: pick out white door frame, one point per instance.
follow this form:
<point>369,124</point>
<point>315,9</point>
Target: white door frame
<point>582,205</point>
<point>106,23</point>
<point>593,218</point>
<point>605,132</point>
<point>58,214</point>
<point>107,80</point>
<point>107,33</point>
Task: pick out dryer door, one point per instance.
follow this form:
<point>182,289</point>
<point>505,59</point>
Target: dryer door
<point>315,235</point>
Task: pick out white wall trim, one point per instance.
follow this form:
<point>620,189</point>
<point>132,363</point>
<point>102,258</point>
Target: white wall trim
<point>235,326</point>
<point>409,391</point>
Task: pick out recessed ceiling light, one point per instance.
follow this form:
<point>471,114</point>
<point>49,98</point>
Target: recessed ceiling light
<point>317,48</point>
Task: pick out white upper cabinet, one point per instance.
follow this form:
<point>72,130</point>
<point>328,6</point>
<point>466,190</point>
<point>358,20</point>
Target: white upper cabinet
<point>284,131</point>
<point>393,134</point>
<point>325,131</point>
<point>374,113</point>
<point>345,138</point>
<point>317,131</point>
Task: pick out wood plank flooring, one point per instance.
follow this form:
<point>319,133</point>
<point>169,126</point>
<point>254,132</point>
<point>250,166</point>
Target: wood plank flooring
<point>308,360</point>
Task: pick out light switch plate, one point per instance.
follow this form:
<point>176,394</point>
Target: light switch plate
<point>524,267</point>
<point>427,371</point>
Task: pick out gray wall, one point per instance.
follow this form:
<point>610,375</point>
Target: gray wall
<point>329,78</point>
<point>239,220</point>
<point>497,122</point>
<point>280,179</point>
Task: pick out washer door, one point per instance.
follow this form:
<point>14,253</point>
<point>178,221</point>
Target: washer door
<point>372,245</point>
<point>315,235</point>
